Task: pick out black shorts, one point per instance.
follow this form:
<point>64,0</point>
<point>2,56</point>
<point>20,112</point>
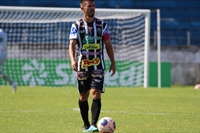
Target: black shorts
<point>90,79</point>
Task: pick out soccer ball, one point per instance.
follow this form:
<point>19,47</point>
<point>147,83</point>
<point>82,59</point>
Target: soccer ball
<point>106,125</point>
<point>197,86</point>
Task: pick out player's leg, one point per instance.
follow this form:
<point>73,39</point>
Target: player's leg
<point>83,88</point>
<point>5,77</point>
<point>84,108</point>
<point>95,108</point>
<point>97,87</point>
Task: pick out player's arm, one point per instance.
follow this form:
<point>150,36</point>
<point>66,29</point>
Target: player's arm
<point>110,52</point>
<point>72,54</point>
<point>73,40</point>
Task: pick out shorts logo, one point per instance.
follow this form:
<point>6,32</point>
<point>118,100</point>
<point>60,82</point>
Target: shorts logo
<point>86,63</point>
<point>91,46</point>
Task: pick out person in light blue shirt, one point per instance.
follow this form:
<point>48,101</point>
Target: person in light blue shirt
<point>3,57</point>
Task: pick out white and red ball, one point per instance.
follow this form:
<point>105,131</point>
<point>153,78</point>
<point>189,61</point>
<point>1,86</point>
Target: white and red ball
<point>197,86</point>
<point>106,125</point>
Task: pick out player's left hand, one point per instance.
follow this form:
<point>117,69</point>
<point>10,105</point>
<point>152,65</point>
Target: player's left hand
<point>112,68</point>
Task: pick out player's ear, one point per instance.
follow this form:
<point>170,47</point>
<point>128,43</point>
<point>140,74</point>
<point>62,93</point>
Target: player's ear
<point>82,8</point>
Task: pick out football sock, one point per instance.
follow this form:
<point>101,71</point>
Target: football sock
<point>95,109</point>
<point>84,107</point>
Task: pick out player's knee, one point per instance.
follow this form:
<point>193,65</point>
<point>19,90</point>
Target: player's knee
<point>83,96</point>
<point>96,94</point>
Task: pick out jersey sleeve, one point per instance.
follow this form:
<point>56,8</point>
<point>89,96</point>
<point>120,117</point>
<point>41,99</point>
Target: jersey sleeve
<point>106,33</point>
<point>73,32</point>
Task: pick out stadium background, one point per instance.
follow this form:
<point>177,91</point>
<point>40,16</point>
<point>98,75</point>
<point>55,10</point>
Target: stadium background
<point>179,18</point>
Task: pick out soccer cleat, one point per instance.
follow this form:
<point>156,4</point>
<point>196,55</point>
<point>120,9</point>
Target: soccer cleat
<point>86,127</point>
<point>14,87</point>
<point>91,129</point>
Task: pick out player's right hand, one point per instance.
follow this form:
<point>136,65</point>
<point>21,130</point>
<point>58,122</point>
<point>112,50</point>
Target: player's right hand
<point>74,65</point>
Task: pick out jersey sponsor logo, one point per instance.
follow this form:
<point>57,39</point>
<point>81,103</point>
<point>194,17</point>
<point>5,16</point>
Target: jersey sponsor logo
<point>87,63</point>
<point>90,53</point>
<point>87,39</point>
<point>90,39</point>
<point>91,46</point>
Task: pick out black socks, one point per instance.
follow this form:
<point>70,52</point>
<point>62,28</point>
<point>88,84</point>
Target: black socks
<point>83,105</point>
<point>96,108</point>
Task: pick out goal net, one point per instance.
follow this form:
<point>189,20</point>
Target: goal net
<point>38,40</point>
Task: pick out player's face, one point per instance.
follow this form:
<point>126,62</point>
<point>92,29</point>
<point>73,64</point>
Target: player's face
<point>89,8</point>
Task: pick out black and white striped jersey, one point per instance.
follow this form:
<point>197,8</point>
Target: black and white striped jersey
<point>90,45</point>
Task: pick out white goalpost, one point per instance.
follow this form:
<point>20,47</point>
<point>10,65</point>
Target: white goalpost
<point>38,45</point>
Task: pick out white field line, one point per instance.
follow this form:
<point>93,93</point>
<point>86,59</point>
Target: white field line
<point>23,111</point>
<point>77,109</point>
<point>107,111</point>
<point>128,112</point>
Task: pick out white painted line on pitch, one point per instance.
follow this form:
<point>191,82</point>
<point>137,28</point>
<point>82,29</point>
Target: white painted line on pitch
<point>23,111</point>
<point>127,112</point>
<point>77,109</point>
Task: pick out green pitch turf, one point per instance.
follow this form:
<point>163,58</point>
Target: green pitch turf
<point>135,110</point>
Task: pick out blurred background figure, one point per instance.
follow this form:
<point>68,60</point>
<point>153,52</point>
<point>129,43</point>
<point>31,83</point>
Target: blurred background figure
<point>3,57</point>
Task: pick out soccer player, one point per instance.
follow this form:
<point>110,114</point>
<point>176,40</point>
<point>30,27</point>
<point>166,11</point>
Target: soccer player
<point>3,57</point>
<point>87,38</point>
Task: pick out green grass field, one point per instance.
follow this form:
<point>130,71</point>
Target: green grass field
<point>135,110</point>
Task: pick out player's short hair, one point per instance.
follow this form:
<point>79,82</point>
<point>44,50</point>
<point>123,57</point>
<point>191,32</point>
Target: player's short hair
<point>81,1</point>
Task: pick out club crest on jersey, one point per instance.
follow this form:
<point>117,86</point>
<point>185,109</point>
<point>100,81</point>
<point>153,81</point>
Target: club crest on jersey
<point>99,31</point>
<point>87,63</point>
<point>91,46</point>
